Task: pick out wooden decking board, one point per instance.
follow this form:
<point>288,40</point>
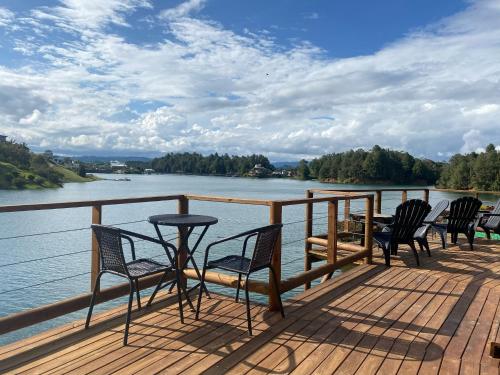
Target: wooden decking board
<point>398,323</point>
<point>392,352</point>
<point>439,318</point>
<point>316,318</point>
<point>306,347</point>
<point>142,342</point>
<point>393,345</point>
<point>328,338</point>
<point>111,349</point>
<point>360,329</point>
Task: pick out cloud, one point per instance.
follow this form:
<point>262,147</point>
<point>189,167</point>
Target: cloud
<point>205,88</point>
<point>31,119</point>
<point>6,16</point>
<point>183,9</point>
<point>89,14</point>
<point>311,16</point>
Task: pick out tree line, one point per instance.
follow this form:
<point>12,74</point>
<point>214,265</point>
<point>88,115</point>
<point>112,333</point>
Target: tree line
<point>213,164</point>
<point>479,171</point>
<point>375,166</point>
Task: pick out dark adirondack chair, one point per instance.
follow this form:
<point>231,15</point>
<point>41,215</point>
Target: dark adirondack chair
<point>113,262</point>
<point>265,241</point>
<point>421,233</point>
<point>490,222</point>
<point>461,219</point>
<point>408,218</point>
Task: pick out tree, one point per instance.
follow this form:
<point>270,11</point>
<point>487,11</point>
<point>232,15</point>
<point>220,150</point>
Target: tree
<point>303,171</point>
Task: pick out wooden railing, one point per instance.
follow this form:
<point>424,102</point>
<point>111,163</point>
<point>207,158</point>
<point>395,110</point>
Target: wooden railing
<point>32,316</point>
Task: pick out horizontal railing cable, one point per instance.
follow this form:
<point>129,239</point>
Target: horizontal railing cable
<point>44,258</point>
<point>43,283</point>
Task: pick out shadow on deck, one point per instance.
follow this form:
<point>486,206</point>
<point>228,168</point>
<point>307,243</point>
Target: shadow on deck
<point>440,317</point>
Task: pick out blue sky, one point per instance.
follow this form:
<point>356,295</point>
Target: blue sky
<point>289,79</point>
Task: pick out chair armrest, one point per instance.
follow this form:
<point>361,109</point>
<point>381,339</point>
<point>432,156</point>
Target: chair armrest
<point>166,245</point>
<point>132,246</point>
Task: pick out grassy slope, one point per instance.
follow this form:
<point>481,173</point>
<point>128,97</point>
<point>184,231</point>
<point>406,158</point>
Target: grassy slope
<point>70,176</point>
<point>8,168</point>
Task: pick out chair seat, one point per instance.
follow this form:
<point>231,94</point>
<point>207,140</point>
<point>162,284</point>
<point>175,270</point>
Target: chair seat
<point>144,267</point>
<point>233,263</point>
<point>382,238</point>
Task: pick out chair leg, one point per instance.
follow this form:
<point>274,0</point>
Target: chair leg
<point>470,238</point>
<point>129,311</point>
<point>387,256</point>
<point>426,245</point>
<point>158,287</point>
<point>420,244</point>
<point>278,294</point>
<point>237,298</point>
<point>92,300</point>
<point>179,296</point>
<point>138,294</point>
<point>249,318</point>
<point>412,245</point>
<point>487,232</point>
<point>200,292</point>
<point>188,299</point>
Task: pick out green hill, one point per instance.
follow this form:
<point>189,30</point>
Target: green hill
<point>22,169</point>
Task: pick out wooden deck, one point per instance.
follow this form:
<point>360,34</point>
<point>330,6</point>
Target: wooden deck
<point>439,318</point>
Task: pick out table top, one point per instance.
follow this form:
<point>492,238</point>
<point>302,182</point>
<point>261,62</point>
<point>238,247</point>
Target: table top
<point>182,220</point>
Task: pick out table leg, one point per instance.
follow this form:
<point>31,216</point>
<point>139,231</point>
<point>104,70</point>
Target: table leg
<point>190,252</point>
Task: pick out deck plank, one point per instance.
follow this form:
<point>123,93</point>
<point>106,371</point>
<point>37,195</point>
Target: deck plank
<point>435,319</point>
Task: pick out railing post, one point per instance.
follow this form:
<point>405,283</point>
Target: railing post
<point>309,229</point>
<point>332,232</point>
<point>182,208</point>
<point>378,201</point>
<point>347,213</point>
<point>95,264</point>
<point>426,195</point>
<point>369,229</point>
<point>404,196</point>
<point>275,217</point>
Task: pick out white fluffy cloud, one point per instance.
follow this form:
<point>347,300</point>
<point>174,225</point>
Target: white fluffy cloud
<point>205,88</point>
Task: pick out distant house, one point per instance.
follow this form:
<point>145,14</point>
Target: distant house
<point>149,171</point>
<point>117,166</point>
<point>259,171</point>
<point>3,138</point>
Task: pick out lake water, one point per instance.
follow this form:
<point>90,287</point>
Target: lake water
<point>34,269</point>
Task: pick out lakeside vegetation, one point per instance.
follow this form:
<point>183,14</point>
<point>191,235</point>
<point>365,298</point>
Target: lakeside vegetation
<point>474,171</point>
<point>213,164</point>
<point>22,169</point>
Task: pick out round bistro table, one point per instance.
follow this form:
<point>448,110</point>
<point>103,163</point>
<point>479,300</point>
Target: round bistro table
<point>185,224</point>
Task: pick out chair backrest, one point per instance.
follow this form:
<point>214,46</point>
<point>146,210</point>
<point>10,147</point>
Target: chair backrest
<point>436,211</point>
<point>463,211</point>
<point>110,249</point>
<point>408,218</point>
<point>264,246</point>
<point>494,221</point>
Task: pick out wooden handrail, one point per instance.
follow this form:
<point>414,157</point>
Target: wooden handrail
<point>75,204</point>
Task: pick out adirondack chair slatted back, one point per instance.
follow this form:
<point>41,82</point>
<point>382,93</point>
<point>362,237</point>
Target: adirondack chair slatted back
<point>409,217</point>
<point>494,221</point>
<point>110,249</point>
<point>463,211</point>
<point>264,246</point>
<point>436,211</point>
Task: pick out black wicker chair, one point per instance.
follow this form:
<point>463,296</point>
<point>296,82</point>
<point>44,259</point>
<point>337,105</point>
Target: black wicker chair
<point>490,222</point>
<point>461,219</point>
<point>408,218</point>
<point>113,261</point>
<point>421,233</point>
<point>265,241</point>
